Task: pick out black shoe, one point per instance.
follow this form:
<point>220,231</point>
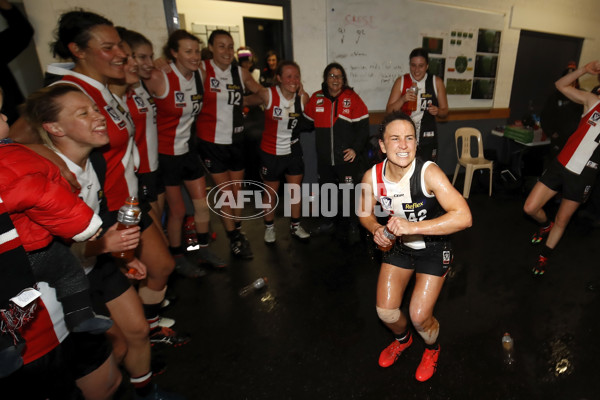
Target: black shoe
<point>240,247</point>
<point>168,336</point>
<point>159,394</point>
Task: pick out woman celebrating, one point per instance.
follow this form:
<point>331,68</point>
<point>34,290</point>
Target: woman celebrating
<point>341,122</point>
<point>423,97</point>
<point>220,128</point>
<point>423,208</point>
<point>573,171</point>
<point>178,98</point>
<point>281,153</point>
<point>94,45</point>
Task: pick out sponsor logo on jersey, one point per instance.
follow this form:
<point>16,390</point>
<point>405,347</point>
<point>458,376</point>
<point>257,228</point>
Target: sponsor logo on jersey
<point>413,206</point>
<point>346,103</point>
<point>429,134</point>
<point>346,111</point>
<point>231,86</point>
<point>386,202</point>
<point>214,85</point>
<point>320,102</point>
<point>294,115</point>
<point>139,103</point>
<point>197,97</point>
<point>277,113</point>
<point>179,99</point>
<point>320,109</point>
<point>594,118</point>
<point>120,122</point>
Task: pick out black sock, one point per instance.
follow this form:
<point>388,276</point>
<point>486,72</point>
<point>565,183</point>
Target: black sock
<point>403,337</point>
<point>295,221</point>
<point>203,239</point>
<point>546,251</point>
<point>232,235</point>
<point>269,224</point>
<point>238,225</point>
<point>151,311</point>
<point>433,346</point>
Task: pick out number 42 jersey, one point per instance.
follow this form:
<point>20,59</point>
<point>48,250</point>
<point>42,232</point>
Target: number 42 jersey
<point>407,198</point>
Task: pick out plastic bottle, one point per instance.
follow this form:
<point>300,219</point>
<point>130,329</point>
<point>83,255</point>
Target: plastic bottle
<point>129,216</point>
<point>412,105</point>
<point>508,348</point>
<point>256,285</point>
<point>390,236</point>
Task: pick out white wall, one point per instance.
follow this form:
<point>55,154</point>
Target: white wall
<point>571,18</point>
<point>227,13</point>
<point>144,16</point>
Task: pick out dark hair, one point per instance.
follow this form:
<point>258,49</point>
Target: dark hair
<point>217,32</point>
<point>42,106</point>
<point>173,42</point>
<point>338,66</point>
<point>132,38</point>
<point>419,52</point>
<point>394,116</point>
<point>285,63</point>
<point>74,27</point>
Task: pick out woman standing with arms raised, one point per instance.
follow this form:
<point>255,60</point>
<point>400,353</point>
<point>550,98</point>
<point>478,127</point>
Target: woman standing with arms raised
<point>220,127</point>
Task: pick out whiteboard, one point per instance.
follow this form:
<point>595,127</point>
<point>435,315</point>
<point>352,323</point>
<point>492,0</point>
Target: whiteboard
<point>372,40</point>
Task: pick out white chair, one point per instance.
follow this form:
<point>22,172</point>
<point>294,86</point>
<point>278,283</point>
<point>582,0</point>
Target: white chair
<point>466,160</point>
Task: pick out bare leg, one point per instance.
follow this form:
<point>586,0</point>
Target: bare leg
<point>539,196</point>
<point>391,285</point>
<point>563,216</point>
<point>101,383</point>
<point>425,294</point>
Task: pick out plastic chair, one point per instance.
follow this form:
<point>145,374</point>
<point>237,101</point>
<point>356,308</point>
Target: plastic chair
<point>466,160</point>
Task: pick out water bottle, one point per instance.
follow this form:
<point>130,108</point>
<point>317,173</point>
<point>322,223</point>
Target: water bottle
<point>390,236</point>
<point>508,348</point>
<point>256,285</point>
<point>129,215</point>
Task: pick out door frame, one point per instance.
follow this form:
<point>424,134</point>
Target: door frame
<point>171,16</point>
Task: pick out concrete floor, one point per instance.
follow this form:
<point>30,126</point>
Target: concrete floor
<point>313,333</point>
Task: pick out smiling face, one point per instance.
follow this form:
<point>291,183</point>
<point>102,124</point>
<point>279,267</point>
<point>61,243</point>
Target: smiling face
<point>103,57</point>
<point>335,81</point>
<point>187,57</point>
<point>144,56</point>
<point>272,62</point>
<point>289,80</point>
<point>222,49</point>
<point>399,143</point>
<point>418,67</point>
<point>131,67</point>
<point>80,121</point>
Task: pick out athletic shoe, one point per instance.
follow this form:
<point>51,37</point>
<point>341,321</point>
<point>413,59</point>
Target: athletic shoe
<point>240,247</point>
<point>391,353</point>
<point>541,234</point>
<point>540,266</point>
<point>186,268</point>
<point>158,365</point>
<point>159,394</point>
<point>270,235</point>
<point>428,364</point>
<point>207,256</point>
<point>165,322</point>
<point>168,336</point>
<point>299,233</point>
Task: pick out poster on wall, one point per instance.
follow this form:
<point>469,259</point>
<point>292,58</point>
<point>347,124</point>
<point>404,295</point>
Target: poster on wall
<point>461,58</point>
<point>486,64</point>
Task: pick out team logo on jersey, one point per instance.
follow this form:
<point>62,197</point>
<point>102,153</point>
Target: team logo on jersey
<point>179,99</point>
<point>591,164</point>
<point>139,103</point>
<point>214,85</point>
<point>594,118</point>
<point>277,113</point>
<point>386,202</point>
<point>348,179</point>
<point>264,171</point>
<point>320,102</point>
<point>346,103</point>
<point>120,122</point>
<point>207,162</point>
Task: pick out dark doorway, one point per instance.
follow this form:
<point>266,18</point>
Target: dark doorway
<point>263,35</point>
<point>541,59</point>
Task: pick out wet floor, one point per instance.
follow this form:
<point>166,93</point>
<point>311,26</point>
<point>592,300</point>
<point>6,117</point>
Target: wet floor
<point>313,332</point>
